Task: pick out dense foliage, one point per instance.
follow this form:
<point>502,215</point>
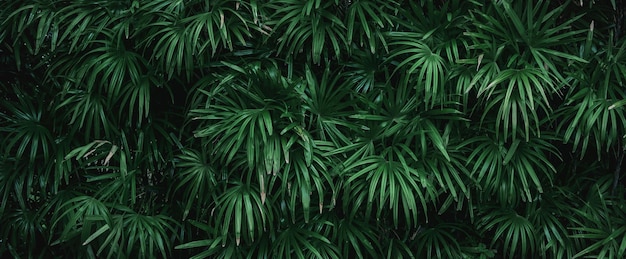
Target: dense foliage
<point>312,128</point>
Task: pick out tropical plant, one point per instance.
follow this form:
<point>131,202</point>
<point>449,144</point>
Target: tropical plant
<point>312,129</point>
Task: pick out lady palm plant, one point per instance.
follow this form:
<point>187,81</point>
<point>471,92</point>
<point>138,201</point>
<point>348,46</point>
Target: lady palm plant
<point>332,129</point>
<point>590,116</point>
<point>595,221</point>
<point>516,61</point>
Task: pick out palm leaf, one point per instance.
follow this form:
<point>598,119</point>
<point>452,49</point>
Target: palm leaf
<point>309,24</point>
<point>241,212</point>
<point>516,231</point>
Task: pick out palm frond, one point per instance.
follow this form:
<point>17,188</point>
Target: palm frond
<point>196,176</point>
<point>516,231</point>
<point>515,172</point>
<point>305,241</point>
<point>440,241</point>
<point>240,211</point>
<point>310,25</point>
<point>365,21</point>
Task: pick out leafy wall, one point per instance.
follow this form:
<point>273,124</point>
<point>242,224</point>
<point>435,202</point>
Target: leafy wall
<point>312,128</point>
